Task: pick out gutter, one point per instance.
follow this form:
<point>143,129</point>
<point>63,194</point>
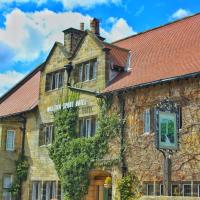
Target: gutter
<point>143,85</point>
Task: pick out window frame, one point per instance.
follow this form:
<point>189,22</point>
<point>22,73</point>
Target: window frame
<point>87,125</point>
<point>87,71</point>
<point>147,132</point>
<point>13,140</point>
<point>148,184</point>
<point>55,78</point>
<point>187,184</point>
<point>11,180</point>
<point>39,190</point>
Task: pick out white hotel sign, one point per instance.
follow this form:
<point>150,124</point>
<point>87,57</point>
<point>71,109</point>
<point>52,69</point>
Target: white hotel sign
<point>81,102</point>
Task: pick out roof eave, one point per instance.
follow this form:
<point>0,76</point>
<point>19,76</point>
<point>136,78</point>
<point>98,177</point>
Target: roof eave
<point>143,85</point>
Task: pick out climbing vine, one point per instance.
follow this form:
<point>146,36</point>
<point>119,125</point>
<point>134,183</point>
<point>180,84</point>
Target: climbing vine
<point>130,187</point>
<point>75,156</point>
<point>22,166</point>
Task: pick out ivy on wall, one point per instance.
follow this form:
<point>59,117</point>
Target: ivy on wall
<point>130,187</point>
<point>22,166</point>
<point>75,156</point>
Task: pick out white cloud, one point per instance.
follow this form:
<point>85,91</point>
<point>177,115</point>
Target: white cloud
<point>67,4</point>
<point>8,79</point>
<point>180,13</point>
<point>71,4</point>
<point>119,30</point>
<point>28,34</point>
<point>111,20</point>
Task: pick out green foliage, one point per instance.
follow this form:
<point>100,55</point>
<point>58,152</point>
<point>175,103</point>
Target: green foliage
<point>22,166</point>
<point>74,157</point>
<point>130,187</point>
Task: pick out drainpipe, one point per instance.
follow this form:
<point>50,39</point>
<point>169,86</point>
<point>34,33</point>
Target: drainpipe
<point>23,121</point>
<point>122,134</point>
<point>23,129</point>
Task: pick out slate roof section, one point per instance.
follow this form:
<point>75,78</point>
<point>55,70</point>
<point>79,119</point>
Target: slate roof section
<point>168,51</point>
<point>23,97</point>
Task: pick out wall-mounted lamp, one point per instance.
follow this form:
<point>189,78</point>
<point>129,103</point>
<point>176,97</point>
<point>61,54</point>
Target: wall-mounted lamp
<point>69,68</point>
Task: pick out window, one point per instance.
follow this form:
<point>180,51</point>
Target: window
<point>87,126</point>
<point>54,80</point>
<point>198,190</point>
<point>49,134</point>
<point>161,190</point>
<point>7,183</point>
<point>150,189</point>
<point>175,190</point>
<point>87,70</point>
<point>180,118</point>
<point>36,190</point>
<point>46,135</point>
<point>187,190</point>
<point>147,121</point>
<point>10,140</point>
<point>7,195</point>
<point>49,190</point>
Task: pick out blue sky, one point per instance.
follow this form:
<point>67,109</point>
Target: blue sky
<point>29,28</point>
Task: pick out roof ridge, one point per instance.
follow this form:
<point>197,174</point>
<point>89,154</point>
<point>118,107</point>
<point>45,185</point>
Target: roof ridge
<point>155,28</point>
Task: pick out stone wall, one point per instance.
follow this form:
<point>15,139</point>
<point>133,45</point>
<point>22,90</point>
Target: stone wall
<point>141,155</point>
<point>8,158</point>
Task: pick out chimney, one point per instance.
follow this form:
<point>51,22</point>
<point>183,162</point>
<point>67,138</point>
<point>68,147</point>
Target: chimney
<point>94,26</point>
<point>82,26</point>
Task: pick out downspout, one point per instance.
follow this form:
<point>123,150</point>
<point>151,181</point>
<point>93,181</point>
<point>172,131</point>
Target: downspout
<point>22,156</point>
<point>122,134</point>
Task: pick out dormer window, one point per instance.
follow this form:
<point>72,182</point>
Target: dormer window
<point>87,70</point>
<point>54,80</point>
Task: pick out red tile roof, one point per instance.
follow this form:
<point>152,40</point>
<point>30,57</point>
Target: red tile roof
<point>23,97</point>
<point>161,53</point>
<point>118,55</point>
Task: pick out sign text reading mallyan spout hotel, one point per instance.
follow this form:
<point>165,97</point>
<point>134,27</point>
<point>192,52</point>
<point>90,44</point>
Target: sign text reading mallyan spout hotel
<point>70,104</point>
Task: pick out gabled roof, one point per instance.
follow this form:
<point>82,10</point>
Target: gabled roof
<point>23,96</point>
<point>118,55</point>
<point>162,53</point>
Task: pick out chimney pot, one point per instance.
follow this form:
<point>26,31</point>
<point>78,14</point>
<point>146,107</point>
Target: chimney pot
<point>82,26</point>
<point>94,26</point>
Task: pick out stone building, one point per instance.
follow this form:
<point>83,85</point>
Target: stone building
<point>139,72</point>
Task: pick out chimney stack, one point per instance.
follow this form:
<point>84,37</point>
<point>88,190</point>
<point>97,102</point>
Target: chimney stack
<point>94,26</point>
<point>82,26</point>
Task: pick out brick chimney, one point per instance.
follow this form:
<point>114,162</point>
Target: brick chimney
<point>94,26</point>
<point>72,38</point>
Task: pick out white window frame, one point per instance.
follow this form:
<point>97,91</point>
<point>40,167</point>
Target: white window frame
<point>11,181</point>
<point>13,140</point>
<point>81,73</point>
<point>36,185</point>
<point>94,69</point>
<point>5,193</point>
<point>147,121</point>
<point>56,79</point>
<point>184,190</point>
<point>88,127</point>
<point>49,128</point>
<point>87,71</point>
